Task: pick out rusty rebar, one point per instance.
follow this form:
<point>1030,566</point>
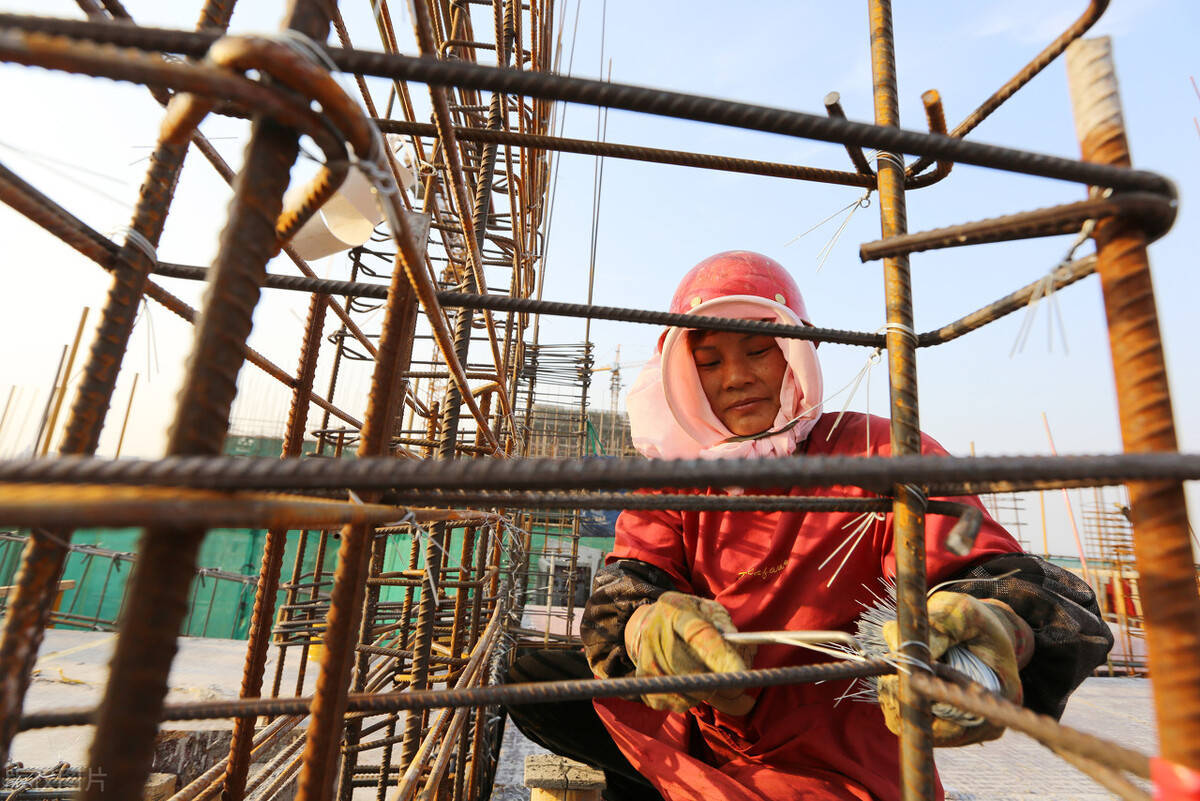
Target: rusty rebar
<point>319,760</point>
<point>1061,276</point>
<point>259,634</point>
<point>1162,544</point>
<point>590,147</point>
<point>508,694</point>
<point>1078,28</point>
<point>1152,213</point>
<point>158,588</point>
<point>28,608</point>
<point>544,85</point>
<point>872,473</point>
<point>1043,728</point>
<point>833,107</point>
<point>917,776</point>
<point>935,117</point>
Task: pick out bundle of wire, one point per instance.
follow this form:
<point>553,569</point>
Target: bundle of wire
<point>869,642</point>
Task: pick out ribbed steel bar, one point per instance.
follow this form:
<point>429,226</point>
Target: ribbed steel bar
<point>876,474</point>
<point>319,761</point>
<point>936,119</point>
<point>1064,275</point>
<point>352,735</point>
<point>235,94</point>
<point>1078,28</point>
<point>539,693</point>
<point>436,735</point>
<point>1161,536</point>
<point>1108,778</point>
<point>591,147</point>
<point>28,608</point>
<point>264,740</point>
<point>1154,212</point>
<point>473,213</point>
<point>1046,730</point>
<point>1061,276</point>
<point>265,595</point>
<point>833,107</point>
<point>549,86</point>
<point>157,600</point>
<point>54,506</point>
<point>533,306</point>
<point>26,199</point>
<point>472,226</point>
<point>917,776</point>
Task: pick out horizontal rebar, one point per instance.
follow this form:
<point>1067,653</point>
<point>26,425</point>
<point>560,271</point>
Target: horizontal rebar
<point>549,86</point>
<point>238,472</point>
<point>509,694</point>
<point>302,283</point>
<point>1154,212</point>
<point>653,155</point>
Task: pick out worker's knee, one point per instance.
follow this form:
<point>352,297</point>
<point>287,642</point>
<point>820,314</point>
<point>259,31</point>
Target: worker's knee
<point>548,665</point>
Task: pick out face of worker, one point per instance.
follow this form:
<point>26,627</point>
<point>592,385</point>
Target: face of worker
<point>741,375</point>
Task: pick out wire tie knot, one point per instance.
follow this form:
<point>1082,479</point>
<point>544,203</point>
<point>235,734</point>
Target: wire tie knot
<point>138,240</point>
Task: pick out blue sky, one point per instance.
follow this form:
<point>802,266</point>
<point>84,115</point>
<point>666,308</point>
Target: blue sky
<point>657,220</point>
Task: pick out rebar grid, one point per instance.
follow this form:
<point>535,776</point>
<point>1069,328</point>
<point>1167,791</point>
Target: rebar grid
<point>484,182</point>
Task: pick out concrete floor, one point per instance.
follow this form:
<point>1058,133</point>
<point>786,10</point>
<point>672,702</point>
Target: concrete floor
<point>73,665</point>
<point>1013,768</point>
<point>72,668</point>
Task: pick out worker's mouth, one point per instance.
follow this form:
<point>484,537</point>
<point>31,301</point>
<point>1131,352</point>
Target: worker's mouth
<point>744,405</point>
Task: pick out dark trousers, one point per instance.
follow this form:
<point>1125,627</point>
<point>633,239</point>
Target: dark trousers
<point>572,728</point>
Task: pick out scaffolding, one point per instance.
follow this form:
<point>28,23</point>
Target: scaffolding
<point>424,540</point>
<point>1108,540</point>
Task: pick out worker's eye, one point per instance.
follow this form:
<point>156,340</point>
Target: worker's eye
<point>760,351</point>
<point>707,364</point>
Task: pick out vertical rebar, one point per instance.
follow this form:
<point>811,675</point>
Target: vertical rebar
<point>125,731</point>
<point>1170,605</point>
<point>362,664</point>
<point>451,409</point>
<point>45,556</point>
<point>394,353</point>
<point>259,635</point>
<point>908,515</point>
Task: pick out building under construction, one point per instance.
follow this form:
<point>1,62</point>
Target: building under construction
<point>428,527</point>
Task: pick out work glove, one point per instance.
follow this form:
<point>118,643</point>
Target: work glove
<point>990,630</point>
<point>680,634</point>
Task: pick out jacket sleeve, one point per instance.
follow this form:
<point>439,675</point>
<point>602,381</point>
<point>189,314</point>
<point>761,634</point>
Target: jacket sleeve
<point>1070,636</point>
<point>618,589</point>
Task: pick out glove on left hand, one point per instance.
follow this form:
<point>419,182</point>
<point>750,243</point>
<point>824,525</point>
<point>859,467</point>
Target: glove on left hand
<point>989,630</point>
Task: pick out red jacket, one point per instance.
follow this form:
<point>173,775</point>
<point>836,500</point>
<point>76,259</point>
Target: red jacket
<point>799,742</point>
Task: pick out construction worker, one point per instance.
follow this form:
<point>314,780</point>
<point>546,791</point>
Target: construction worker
<point>677,581</point>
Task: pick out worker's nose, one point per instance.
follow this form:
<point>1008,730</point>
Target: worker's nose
<point>737,373</point>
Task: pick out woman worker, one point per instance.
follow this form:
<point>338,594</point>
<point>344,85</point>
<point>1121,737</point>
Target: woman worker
<point>676,581</point>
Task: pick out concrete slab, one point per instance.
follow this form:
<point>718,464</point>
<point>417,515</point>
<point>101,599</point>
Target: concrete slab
<point>552,772</point>
<point>72,669</point>
<point>1017,768</point>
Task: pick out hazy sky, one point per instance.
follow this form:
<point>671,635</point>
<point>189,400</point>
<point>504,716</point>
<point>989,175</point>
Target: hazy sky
<point>84,142</point>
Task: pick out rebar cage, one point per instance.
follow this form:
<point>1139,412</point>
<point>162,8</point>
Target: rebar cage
<point>422,530</point>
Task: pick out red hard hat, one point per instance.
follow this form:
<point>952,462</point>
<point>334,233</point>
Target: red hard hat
<point>738,272</point>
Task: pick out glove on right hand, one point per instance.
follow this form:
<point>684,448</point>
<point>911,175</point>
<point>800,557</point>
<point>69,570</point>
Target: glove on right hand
<point>680,634</point>
<point>987,628</point>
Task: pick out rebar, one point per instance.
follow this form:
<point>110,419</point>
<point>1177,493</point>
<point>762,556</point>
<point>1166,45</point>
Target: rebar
<point>484,192</point>
<point>1162,543</point>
